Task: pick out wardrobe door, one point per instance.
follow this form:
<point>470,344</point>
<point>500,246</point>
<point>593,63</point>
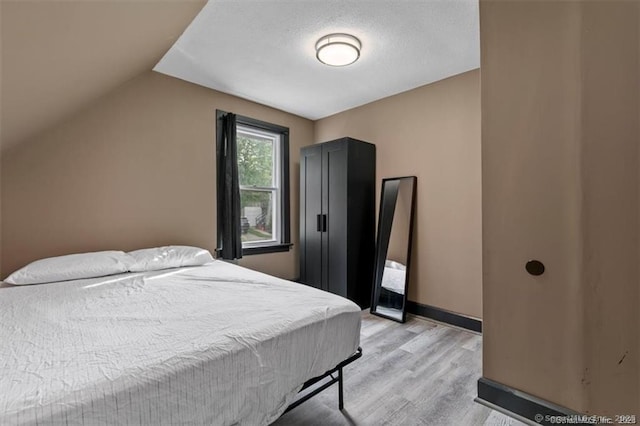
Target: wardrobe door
<point>310,216</point>
<point>334,205</point>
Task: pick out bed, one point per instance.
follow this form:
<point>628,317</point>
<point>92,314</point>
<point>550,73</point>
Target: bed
<point>214,344</point>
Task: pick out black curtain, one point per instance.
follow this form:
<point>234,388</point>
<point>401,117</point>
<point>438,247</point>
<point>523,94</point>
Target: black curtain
<point>229,191</point>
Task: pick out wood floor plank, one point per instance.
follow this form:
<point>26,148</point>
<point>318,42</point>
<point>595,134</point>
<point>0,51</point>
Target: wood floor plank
<point>414,374</point>
<point>498,419</point>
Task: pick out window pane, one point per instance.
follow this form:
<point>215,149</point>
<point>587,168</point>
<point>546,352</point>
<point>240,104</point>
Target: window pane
<point>255,160</point>
<point>256,208</point>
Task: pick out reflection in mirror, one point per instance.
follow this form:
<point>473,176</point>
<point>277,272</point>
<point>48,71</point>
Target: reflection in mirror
<point>393,248</point>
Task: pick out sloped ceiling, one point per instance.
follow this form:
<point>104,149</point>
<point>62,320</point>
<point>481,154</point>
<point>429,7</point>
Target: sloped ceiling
<point>58,56</point>
<point>264,51</point>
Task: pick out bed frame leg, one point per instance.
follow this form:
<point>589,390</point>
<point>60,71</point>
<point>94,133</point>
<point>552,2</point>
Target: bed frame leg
<point>340,393</point>
<point>320,388</point>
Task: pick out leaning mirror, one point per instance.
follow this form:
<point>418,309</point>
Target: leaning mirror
<point>393,248</point>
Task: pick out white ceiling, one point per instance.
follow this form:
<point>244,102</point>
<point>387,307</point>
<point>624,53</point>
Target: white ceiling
<point>264,50</point>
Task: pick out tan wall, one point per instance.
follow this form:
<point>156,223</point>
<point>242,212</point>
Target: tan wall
<point>59,56</point>
<point>432,132</point>
<point>1,125</point>
<point>1,134</point>
<point>1,276</point>
<point>610,142</point>
<point>560,184</point>
<point>135,169</point>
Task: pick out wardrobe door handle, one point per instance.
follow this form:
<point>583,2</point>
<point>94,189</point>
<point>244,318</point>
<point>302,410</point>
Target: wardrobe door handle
<point>319,222</point>
<point>324,223</point>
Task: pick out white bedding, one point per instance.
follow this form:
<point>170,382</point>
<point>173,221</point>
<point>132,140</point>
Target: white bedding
<point>215,344</point>
<point>393,279</point>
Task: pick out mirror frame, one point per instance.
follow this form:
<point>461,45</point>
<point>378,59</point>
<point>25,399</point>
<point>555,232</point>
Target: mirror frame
<point>380,258</point>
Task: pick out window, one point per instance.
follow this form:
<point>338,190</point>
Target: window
<point>258,166</point>
<point>263,177</point>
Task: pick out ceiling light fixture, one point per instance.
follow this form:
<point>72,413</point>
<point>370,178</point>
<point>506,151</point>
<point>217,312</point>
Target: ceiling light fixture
<point>338,50</point>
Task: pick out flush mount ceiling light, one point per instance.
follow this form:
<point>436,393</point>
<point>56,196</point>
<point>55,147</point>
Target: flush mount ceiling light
<point>338,50</point>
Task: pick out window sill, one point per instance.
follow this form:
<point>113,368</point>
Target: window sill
<point>275,248</point>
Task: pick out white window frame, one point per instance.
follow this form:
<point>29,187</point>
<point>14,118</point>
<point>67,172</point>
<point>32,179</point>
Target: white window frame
<point>276,189</point>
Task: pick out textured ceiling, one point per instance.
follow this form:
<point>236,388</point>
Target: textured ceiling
<point>264,50</point>
<point>58,56</point>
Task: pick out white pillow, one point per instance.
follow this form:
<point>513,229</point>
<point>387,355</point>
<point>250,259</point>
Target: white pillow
<point>72,267</point>
<point>153,259</point>
<point>394,265</point>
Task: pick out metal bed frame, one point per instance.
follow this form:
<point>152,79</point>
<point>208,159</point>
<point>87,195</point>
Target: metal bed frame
<point>329,373</point>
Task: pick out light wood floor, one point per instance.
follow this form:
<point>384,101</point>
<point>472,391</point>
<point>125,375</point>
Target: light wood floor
<point>416,373</point>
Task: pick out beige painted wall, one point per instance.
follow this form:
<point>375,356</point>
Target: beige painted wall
<point>560,184</point>
<point>432,132</point>
<point>59,56</point>
<point>610,145</point>
<point>1,126</point>
<point>135,169</point>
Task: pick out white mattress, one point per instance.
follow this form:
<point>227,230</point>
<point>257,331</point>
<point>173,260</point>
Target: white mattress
<point>216,344</point>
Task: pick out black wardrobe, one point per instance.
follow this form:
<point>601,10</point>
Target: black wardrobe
<point>337,217</point>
